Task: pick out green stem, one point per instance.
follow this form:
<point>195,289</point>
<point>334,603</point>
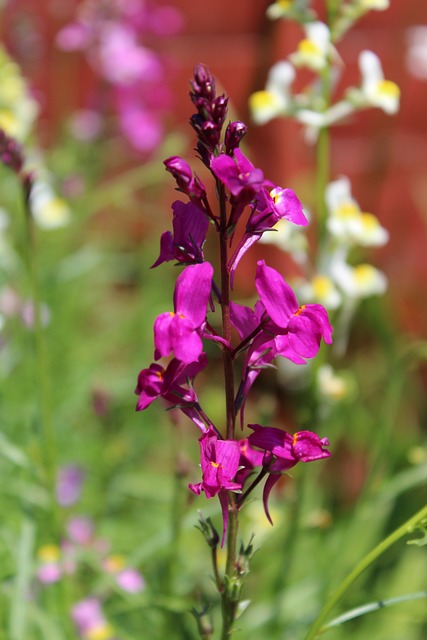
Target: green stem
<point>42,382</point>
<point>401,531</point>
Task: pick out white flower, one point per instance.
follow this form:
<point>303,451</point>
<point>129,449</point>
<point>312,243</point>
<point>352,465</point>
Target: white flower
<point>375,5</point>
<point>358,282</point>
<point>322,290</point>
<point>18,110</point>
<point>375,90</point>
<point>347,222</point>
<point>416,59</point>
<point>314,49</point>
<point>49,211</point>
<point>333,385</point>
<point>276,99</point>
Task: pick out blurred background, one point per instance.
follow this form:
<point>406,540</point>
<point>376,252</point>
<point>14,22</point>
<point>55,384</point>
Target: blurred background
<point>101,149</point>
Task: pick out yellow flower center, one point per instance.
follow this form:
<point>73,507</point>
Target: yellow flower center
<point>309,48</point>
<point>114,563</point>
<point>322,286</point>
<point>388,89</point>
<point>364,273</point>
<point>261,100</point>
<point>100,632</point>
<point>347,210</point>
<point>48,553</point>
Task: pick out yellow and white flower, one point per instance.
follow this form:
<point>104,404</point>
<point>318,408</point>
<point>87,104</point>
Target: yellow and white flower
<point>314,50</point>
<point>322,290</point>
<point>276,99</point>
<point>49,210</point>
<point>347,222</point>
<point>375,90</point>
<point>18,110</point>
<point>333,385</point>
<point>361,281</point>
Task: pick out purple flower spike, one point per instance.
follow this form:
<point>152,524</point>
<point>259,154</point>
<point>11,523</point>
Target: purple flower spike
<point>190,226</point>
<point>219,460</point>
<point>285,452</point>
<point>178,331</point>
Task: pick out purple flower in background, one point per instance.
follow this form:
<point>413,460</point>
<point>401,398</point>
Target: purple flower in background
<point>128,578</point>
<point>285,451</point>
<point>90,621</point>
<point>69,485</point>
<point>219,460</point>
<point>179,331</point>
<point>49,569</point>
<point>80,530</point>
<point>190,226</point>
<point>113,36</point>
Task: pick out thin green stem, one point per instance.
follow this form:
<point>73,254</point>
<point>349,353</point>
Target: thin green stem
<point>336,596</point>
<point>42,381</point>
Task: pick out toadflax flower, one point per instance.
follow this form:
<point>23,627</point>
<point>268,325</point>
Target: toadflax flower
<point>185,244</point>
<point>278,326</point>
<point>156,381</point>
<point>276,99</point>
<point>375,90</point>
<point>219,460</point>
<point>285,452</point>
<point>298,330</point>
<point>179,331</point>
<point>345,219</point>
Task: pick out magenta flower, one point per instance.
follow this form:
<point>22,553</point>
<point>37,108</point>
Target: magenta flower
<point>269,208</point>
<point>179,331</point>
<point>181,171</point>
<point>239,175</point>
<point>156,381</point>
<point>298,330</point>
<point>285,451</point>
<point>185,244</point>
<point>219,460</point>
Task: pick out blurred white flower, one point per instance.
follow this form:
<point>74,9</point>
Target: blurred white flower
<point>345,219</point>
<point>18,110</point>
<point>333,385</point>
<point>361,281</point>
<point>322,290</point>
<point>375,91</point>
<point>416,58</point>
<point>49,210</point>
<point>276,98</point>
<point>313,51</point>
<point>375,5</point>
